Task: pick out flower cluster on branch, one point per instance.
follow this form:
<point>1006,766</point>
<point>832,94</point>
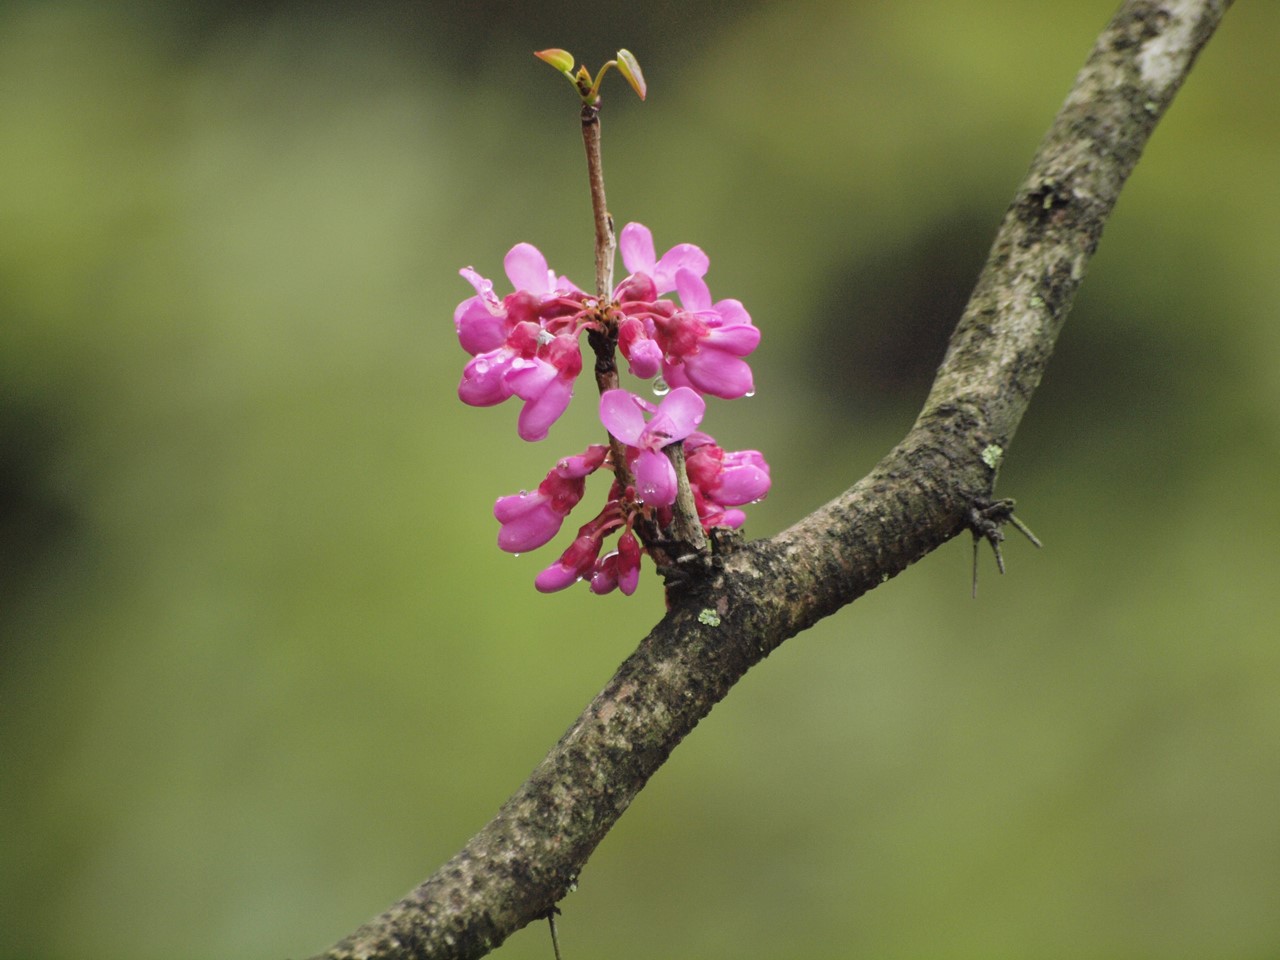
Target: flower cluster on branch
<point>526,344</point>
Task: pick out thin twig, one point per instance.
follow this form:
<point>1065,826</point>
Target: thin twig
<point>606,243</point>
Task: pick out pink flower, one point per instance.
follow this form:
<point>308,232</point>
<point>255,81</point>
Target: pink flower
<point>526,344</point>
<point>677,416</point>
<point>642,352</point>
<point>573,565</point>
<point>722,481</point>
<point>545,383</point>
<point>635,243</point>
<point>484,322</point>
<point>730,479</point>
<point>704,344</point>
<point>577,561</point>
<point>531,519</point>
<point>484,378</point>
<point>620,569</point>
<point>532,365</point>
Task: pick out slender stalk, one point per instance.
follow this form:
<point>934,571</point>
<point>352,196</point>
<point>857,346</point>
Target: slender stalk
<point>606,243</point>
<point>686,528</point>
<point>605,343</point>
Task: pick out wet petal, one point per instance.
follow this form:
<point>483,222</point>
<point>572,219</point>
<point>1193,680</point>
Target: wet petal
<point>655,478</point>
<point>479,328</point>
<point>528,521</point>
<point>529,376</point>
<point>621,416</point>
<point>544,409</point>
<point>484,379</point>
<point>678,415</point>
<point>645,358</point>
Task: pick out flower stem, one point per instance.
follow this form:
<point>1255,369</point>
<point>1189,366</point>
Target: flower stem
<point>685,526</point>
<point>605,241</point>
<point>604,343</point>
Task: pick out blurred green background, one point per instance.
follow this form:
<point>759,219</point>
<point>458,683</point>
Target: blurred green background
<point>263,667</point>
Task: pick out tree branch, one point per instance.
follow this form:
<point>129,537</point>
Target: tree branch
<point>920,495</point>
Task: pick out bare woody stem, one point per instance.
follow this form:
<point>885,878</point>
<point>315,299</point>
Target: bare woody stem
<point>604,343</point>
<point>606,243</point>
<point>686,528</point>
<point>918,497</point>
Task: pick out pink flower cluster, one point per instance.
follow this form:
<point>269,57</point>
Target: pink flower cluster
<point>526,345</point>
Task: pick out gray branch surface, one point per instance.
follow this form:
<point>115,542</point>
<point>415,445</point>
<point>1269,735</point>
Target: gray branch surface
<point>919,496</point>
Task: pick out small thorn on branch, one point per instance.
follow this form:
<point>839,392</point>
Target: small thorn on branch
<point>986,522</point>
<point>551,915</point>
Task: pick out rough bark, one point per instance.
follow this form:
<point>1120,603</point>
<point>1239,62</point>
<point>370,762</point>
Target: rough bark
<point>923,493</point>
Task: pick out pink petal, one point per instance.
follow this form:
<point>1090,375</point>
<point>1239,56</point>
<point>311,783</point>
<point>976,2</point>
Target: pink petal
<point>541,411</point>
<point>636,245</point>
<point>621,416</point>
<point>479,328</point>
<point>628,563</point>
<point>731,312</point>
<point>678,415</point>
<point>604,578</point>
<point>744,479</point>
<point>655,478</point>
<point>527,522</point>
<point>555,577</point>
<point>674,374</point>
<point>484,379</point>
<point>645,358</point>
<point>683,256</point>
<point>719,374</point>
<point>583,464</point>
<point>636,287</point>
<point>573,563</point>
<point>739,339</point>
<point>484,286</point>
<point>530,376</point>
<point>693,290</point>
<point>628,580</point>
<point>527,269</point>
<point>731,518</point>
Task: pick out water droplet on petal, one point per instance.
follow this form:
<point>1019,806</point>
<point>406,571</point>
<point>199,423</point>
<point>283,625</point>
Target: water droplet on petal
<point>515,554</point>
<point>660,388</point>
<point>750,393</point>
<point>524,493</point>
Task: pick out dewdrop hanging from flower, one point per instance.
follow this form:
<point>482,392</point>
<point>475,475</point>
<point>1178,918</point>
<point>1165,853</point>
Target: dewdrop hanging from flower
<point>670,482</point>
